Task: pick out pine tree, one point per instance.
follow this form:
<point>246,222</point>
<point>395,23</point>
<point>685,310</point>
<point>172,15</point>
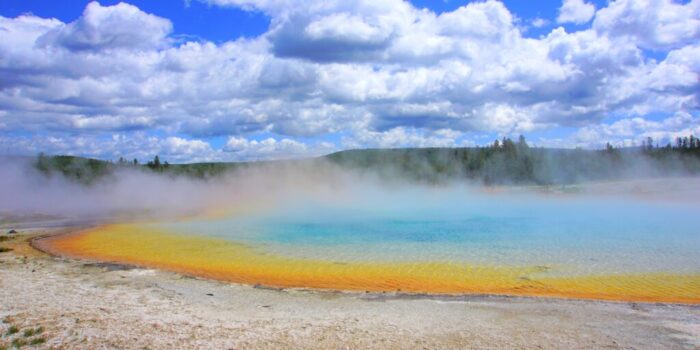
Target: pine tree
<point>522,144</point>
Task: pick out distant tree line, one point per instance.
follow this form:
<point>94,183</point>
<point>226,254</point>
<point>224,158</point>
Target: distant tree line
<point>123,162</point>
<point>505,161</point>
<point>83,170</point>
<point>514,162</point>
<point>86,170</point>
<point>154,164</point>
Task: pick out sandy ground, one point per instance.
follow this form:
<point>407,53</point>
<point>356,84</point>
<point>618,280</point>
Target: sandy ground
<point>82,305</point>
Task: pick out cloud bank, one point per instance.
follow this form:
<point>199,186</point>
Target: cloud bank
<point>330,75</point>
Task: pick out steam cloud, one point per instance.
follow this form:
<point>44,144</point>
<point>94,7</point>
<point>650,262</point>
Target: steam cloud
<point>131,193</point>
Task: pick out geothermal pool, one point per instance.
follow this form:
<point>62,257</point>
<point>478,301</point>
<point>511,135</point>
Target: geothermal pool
<point>447,243</point>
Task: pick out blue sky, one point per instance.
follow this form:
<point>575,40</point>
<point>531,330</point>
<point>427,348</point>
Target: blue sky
<point>199,19</point>
<point>191,19</point>
<point>245,79</point>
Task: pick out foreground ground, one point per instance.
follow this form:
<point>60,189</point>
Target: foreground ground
<point>80,305</point>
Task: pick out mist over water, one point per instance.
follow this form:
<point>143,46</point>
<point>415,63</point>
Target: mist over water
<point>320,211</point>
<point>578,234</point>
<point>137,194</point>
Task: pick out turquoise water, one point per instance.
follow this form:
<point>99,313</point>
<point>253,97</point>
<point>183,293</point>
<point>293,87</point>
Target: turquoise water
<point>569,234</point>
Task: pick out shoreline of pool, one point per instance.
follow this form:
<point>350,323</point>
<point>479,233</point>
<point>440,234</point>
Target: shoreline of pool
<point>83,305</point>
<point>41,243</point>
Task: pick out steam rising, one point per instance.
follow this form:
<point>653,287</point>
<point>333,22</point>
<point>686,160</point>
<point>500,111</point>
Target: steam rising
<point>140,194</point>
<point>136,194</point>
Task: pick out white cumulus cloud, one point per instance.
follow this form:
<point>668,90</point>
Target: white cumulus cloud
<point>575,11</point>
<point>361,73</point>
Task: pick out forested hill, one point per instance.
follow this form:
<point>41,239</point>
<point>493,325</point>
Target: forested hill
<point>511,164</point>
<point>504,162</point>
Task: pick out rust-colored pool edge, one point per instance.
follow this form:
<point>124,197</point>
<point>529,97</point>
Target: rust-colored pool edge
<point>42,243</point>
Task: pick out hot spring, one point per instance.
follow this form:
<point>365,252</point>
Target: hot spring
<point>435,242</point>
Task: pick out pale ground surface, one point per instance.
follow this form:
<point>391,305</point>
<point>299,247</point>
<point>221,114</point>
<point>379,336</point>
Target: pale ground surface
<point>84,306</point>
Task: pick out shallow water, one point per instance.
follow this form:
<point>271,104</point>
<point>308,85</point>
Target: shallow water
<point>434,242</point>
<point>578,235</point>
